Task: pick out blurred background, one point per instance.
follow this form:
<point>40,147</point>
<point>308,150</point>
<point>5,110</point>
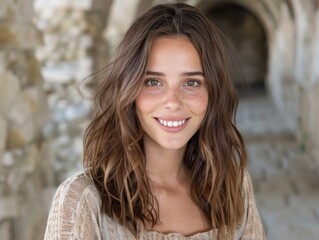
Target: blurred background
<point>48,47</point>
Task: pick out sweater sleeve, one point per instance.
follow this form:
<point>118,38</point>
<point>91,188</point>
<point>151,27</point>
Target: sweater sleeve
<point>74,213</point>
<point>253,229</point>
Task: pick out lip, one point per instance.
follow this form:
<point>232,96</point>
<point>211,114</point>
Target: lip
<point>172,129</point>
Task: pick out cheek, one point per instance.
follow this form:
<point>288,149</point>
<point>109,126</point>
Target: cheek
<point>143,103</point>
<point>199,102</point>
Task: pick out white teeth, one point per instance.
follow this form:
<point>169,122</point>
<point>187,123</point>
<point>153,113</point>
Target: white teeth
<point>172,123</point>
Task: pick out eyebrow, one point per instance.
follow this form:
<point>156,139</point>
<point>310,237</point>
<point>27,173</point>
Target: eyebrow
<point>187,74</point>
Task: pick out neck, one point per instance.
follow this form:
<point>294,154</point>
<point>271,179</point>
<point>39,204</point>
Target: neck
<point>164,166</point>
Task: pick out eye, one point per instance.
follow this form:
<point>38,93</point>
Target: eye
<point>152,82</point>
<point>193,83</point>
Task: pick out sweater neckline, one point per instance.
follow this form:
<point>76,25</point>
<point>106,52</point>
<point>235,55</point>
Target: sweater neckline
<point>176,234</point>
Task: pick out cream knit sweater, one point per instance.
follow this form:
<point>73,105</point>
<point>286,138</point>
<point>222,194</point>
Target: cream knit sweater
<point>75,214</point>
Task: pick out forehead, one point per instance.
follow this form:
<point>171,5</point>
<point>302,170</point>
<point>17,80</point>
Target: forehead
<point>172,41</point>
<point>172,51</point>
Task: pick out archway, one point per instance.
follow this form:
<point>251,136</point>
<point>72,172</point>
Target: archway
<point>249,39</point>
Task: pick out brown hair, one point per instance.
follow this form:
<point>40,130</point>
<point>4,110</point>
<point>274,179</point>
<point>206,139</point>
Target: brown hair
<point>113,143</point>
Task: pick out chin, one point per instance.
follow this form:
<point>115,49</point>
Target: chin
<point>173,145</point>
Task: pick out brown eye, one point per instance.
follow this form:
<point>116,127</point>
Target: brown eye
<point>152,82</point>
<point>192,83</point>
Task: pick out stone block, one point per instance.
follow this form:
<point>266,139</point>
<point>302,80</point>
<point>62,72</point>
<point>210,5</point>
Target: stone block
<point>29,37</point>
<point>58,73</point>
<point>82,4</point>
<point>31,224</point>
<point>8,159</point>
<point>17,179</point>
<point>18,10</point>
<point>22,36</point>
<point>9,90</point>
<point>9,207</point>
<point>5,230</point>
<point>8,35</point>
<point>3,135</point>
<point>103,6</point>
<point>20,135</point>
<point>25,123</point>
<point>3,60</point>
<point>314,113</point>
<point>30,106</point>
<point>33,70</point>
<point>23,109</point>
<point>32,159</point>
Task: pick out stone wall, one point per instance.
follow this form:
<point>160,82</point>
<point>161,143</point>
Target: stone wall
<point>42,118</point>
<point>248,37</point>
<point>25,173</point>
<point>281,78</point>
<point>72,48</point>
<point>309,91</point>
<point>292,75</point>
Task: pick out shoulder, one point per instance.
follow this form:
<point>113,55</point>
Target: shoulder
<point>76,189</point>
<point>247,185</point>
<point>78,182</point>
<point>248,192</point>
<point>251,227</point>
<point>75,209</point>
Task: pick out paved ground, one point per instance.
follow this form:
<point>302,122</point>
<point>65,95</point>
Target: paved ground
<point>286,188</point>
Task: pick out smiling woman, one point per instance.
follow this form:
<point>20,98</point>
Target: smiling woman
<point>173,101</point>
<point>162,156</point>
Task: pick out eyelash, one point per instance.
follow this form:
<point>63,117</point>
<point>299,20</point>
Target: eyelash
<point>148,82</point>
<point>194,81</point>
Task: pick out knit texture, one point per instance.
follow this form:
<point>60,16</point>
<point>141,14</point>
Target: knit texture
<point>76,214</point>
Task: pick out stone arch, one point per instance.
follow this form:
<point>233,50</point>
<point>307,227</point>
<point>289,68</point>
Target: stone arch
<point>266,11</point>
<point>278,20</point>
<point>266,14</point>
<point>248,37</point>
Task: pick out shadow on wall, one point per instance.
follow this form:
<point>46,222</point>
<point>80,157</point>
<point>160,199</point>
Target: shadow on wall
<point>248,37</point>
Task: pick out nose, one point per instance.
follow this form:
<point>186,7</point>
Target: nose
<point>173,99</point>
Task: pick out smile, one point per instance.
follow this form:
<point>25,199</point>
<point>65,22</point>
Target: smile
<point>172,124</point>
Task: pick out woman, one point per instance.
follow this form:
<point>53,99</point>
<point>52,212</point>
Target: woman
<point>162,156</point>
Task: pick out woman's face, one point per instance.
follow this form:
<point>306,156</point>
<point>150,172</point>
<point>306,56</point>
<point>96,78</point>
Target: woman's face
<point>174,98</point>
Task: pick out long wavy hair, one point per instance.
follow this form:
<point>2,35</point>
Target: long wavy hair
<point>113,143</point>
